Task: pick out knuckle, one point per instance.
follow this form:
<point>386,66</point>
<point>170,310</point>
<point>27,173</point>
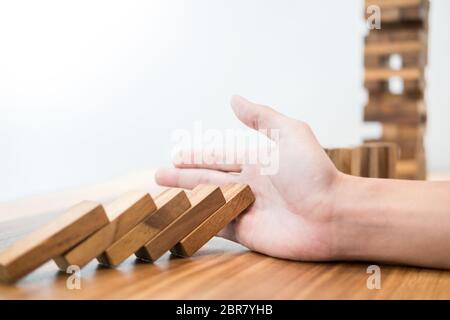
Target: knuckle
<point>303,125</point>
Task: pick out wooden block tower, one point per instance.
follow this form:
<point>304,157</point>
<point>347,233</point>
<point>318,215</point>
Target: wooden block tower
<point>395,56</point>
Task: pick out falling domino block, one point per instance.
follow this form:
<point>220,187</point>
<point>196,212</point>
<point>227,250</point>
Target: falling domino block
<point>170,204</point>
<point>238,198</point>
<point>205,200</point>
<point>123,214</point>
<point>51,240</point>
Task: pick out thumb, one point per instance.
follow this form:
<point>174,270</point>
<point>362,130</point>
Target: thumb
<point>259,117</point>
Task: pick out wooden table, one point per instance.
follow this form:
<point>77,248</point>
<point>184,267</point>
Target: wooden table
<point>220,270</point>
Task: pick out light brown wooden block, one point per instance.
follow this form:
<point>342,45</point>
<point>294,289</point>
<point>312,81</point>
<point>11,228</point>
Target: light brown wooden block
<point>404,34</point>
<point>415,60</point>
<point>407,168</point>
<point>394,3</point>
<point>412,169</point>
<point>341,158</point>
<point>205,200</point>
<point>410,74</point>
<point>361,161</point>
<point>394,132</point>
<point>409,150</point>
<point>375,160</point>
<point>123,214</point>
<point>387,160</point>
<point>408,60</point>
<point>382,86</point>
<point>170,204</point>
<point>394,47</point>
<point>51,240</point>
<point>238,198</point>
<point>400,12</point>
<point>400,111</point>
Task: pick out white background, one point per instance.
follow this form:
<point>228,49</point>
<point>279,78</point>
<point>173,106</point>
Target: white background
<point>93,89</point>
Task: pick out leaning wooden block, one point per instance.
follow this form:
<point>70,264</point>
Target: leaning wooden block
<point>238,198</point>
<point>123,214</point>
<point>205,200</point>
<point>170,204</point>
<point>51,240</point>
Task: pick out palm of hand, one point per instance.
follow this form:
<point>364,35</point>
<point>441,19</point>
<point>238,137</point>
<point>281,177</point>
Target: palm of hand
<point>290,216</point>
<point>291,211</point>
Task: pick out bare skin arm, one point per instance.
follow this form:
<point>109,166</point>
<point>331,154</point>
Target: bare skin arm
<point>394,221</point>
<point>310,211</point>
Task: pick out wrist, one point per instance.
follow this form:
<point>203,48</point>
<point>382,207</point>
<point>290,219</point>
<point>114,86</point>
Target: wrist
<point>355,221</point>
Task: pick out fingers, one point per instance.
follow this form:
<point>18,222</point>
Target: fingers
<point>259,117</point>
<point>208,160</point>
<point>190,178</point>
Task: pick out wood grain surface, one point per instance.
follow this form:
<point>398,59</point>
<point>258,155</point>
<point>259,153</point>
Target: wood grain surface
<point>220,270</point>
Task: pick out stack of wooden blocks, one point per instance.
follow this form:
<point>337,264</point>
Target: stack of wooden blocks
<point>395,58</point>
<point>135,223</point>
<point>370,160</point>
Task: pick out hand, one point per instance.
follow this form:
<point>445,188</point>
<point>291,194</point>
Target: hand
<point>292,216</point>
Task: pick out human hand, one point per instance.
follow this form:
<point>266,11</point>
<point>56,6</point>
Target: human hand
<point>292,216</point>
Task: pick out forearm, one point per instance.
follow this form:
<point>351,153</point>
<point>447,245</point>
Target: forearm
<point>394,221</point>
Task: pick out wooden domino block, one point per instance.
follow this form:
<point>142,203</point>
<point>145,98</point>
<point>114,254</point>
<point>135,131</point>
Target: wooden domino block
<point>361,161</point>
<point>382,86</point>
<point>123,214</point>
<point>375,160</point>
<point>408,60</point>
<point>341,158</point>
<point>415,59</point>
<point>51,240</point>
<point>382,36</point>
<point>401,12</point>
<point>399,111</point>
<point>205,200</point>
<point>386,160</point>
<point>409,150</point>
<point>410,74</point>
<point>394,132</point>
<point>392,48</point>
<point>238,198</point>
<point>170,204</point>
<point>407,169</point>
<point>408,138</point>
